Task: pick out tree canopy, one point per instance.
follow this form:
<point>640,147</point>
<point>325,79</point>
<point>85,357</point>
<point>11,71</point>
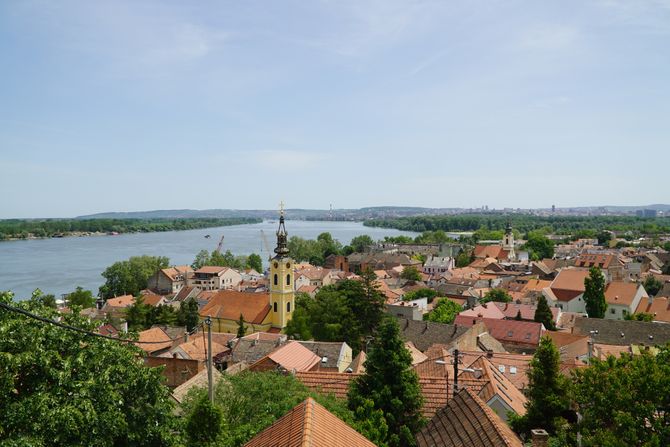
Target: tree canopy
<point>497,295</point>
<point>445,311</point>
<point>543,314</point>
<point>227,259</point>
<point>131,276</point>
<point>410,273</point>
<point>63,388</point>
<point>391,385</point>
<point>539,246</point>
<point>594,295</point>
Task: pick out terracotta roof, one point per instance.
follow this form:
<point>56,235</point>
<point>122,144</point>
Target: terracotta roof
<point>229,304</point>
<point>510,310</point>
<point>120,301</point>
<point>160,339</point>
<point>535,285</point>
<point>467,421</point>
<point>195,349</point>
<point>619,292</point>
<point>603,261</point>
<point>294,357</point>
<point>309,425</point>
<point>177,270</point>
<point>507,331</point>
<point>153,299</point>
<point>569,283</point>
<point>417,356</point>
<point>487,310</point>
<point>433,389</point>
<point>211,269</point>
<point>490,251</point>
<point>659,308</point>
<point>108,329</point>
<point>497,386</point>
<point>358,363</point>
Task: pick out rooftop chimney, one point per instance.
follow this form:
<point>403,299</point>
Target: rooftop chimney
<point>539,437</point>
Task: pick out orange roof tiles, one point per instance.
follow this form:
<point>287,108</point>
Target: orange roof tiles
<point>211,269</point>
<point>659,308</point>
<point>569,283</point>
<point>507,331</point>
<point>120,301</point>
<point>619,292</point>
<point>158,337</point>
<point>229,304</point>
<point>177,270</point>
<point>294,357</point>
<point>309,425</point>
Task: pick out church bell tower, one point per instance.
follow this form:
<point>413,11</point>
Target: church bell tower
<point>508,242</point>
<point>282,296</point>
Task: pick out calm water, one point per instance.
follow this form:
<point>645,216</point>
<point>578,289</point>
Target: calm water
<point>59,265</point>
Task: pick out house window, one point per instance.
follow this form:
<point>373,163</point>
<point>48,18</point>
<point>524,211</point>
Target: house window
<point>288,307</point>
<point>275,307</point>
<point>612,311</point>
<point>288,279</point>
<point>276,281</point>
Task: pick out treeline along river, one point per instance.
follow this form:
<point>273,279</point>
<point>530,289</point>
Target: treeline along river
<point>58,265</point>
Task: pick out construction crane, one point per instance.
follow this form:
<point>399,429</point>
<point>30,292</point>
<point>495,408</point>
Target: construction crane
<point>266,244</point>
<point>218,247</point>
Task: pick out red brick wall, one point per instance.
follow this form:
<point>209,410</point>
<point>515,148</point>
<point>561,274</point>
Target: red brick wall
<point>176,371</point>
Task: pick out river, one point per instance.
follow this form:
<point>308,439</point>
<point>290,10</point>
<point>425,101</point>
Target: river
<point>59,265</point>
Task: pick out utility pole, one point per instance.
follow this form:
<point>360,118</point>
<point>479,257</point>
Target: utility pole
<point>210,378</point>
<point>455,372</point>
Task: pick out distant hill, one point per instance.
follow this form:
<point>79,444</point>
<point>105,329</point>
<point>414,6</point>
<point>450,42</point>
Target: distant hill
<point>347,214</point>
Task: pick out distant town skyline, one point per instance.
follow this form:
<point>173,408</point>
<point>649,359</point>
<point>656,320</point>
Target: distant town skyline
<point>136,106</point>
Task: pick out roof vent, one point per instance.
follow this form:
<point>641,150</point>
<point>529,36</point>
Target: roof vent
<point>651,337</point>
<point>501,368</point>
<point>348,370</point>
<point>622,335</point>
<point>512,369</point>
<point>324,359</point>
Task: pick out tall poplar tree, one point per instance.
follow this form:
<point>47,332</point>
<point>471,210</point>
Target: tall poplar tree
<point>543,314</point>
<point>391,384</point>
<point>594,295</point>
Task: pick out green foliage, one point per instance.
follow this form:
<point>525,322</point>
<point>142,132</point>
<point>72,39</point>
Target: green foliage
<point>241,328</point>
<point>625,401</point>
<point>298,326</point>
<point>348,311</point>
<point>490,226</point>
<point>539,246</point>
<point>82,298</point>
<point>40,299</point>
<point>642,316</point>
<point>410,273</point>
<point>543,314</point>
<point>24,228</point>
<point>464,258</point>
<point>314,251</point>
<point>402,239</point>
<point>433,237</point>
<point>391,384</point>
<point>204,423</point>
<point>131,276</point>
<point>421,293</point>
<point>63,388</point>
<point>497,295</point>
<point>445,311</point>
<point>604,237</point>
<point>361,243</point>
<point>255,262</point>
<point>252,401</point>
<point>226,259</point>
<point>652,285</point>
<point>141,316</point>
<point>594,296</point>
<point>188,315</point>
<point>548,400</point>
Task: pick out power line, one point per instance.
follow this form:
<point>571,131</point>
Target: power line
<point>84,331</point>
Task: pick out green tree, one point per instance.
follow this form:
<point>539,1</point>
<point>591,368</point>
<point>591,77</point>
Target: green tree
<point>201,260</point>
<point>131,276</point>
<point>539,246</point>
<point>652,285</point>
<point>252,401</point>
<point>204,424</point>
<point>430,294</point>
<point>59,387</point>
<point>464,258</point>
<point>594,295</point>
<point>241,328</point>
<point>410,273</point>
<point>40,299</point>
<point>548,400</point>
<point>255,262</point>
<point>624,401</point>
<point>138,315</point>
<point>604,237</point>
<point>642,316</point>
<point>82,298</point>
<point>543,314</point>
<point>391,384</point>
<point>298,326</point>
<point>445,311</point>
<point>361,243</point>
<point>188,315</point>
<point>497,295</point>
<point>163,315</point>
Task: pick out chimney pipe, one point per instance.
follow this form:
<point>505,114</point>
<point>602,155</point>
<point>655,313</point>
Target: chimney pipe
<point>539,437</point>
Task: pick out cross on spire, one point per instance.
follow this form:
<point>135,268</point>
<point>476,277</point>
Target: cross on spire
<point>281,208</point>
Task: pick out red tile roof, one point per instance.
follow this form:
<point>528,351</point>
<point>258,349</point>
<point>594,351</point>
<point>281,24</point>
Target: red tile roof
<point>659,308</point>
<point>619,292</point>
<point>120,301</point>
<point>569,283</point>
<point>294,357</point>
<point>507,331</point>
<point>229,304</point>
<point>309,425</point>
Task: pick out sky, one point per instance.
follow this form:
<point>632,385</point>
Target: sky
<point>142,105</point>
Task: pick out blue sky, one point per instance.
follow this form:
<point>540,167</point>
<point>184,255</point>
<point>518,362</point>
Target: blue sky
<point>138,105</point>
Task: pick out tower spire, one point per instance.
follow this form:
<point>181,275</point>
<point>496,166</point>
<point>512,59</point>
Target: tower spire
<point>282,235</point>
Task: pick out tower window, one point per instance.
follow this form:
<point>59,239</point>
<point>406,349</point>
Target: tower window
<point>288,280</point>
<point>275,307</point>
<point>276,279</point>
<point>288,307</point>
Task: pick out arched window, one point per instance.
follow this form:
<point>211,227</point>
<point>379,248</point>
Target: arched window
<point>288,279</point>
<point>276,279</point>
<point>275,307</point>
<point>288,307</point>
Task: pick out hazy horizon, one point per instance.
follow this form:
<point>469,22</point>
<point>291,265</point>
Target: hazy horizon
<point>123,105</point>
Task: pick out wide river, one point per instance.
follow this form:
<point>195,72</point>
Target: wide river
<point>59,265</point>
